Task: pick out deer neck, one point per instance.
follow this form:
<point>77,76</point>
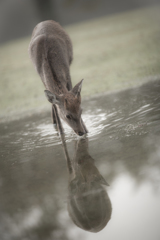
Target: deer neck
<point>57,87</point>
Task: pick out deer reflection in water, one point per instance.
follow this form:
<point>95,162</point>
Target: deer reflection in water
<point>89,205</point>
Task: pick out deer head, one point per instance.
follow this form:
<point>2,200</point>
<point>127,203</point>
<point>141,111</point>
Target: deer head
<point>69,107</point>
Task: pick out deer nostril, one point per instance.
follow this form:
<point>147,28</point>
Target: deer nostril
<point>80,133</point>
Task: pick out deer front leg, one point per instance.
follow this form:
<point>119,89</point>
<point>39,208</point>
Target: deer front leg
<point>53,115</point>
<point>54,119</point>
<point>57,120</point>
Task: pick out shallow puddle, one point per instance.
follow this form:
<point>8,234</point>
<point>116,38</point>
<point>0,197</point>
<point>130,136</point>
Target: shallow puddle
<point>109,184</point>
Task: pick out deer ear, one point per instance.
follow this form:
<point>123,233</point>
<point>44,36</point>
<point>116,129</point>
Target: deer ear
<point>101,180</point>
<point>77,88</point>
<point>52,98</point>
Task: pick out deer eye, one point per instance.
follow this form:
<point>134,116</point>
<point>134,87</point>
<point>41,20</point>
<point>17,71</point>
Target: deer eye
<point>68,116</point>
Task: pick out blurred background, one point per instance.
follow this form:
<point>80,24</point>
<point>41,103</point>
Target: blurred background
<point>18,18</point>
<point>115,46</point>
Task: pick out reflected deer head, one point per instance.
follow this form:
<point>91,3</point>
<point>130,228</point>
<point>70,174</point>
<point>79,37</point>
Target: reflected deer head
<point>89,205</point>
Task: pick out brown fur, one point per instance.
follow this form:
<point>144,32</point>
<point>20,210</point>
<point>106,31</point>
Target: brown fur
<point>51,52</point>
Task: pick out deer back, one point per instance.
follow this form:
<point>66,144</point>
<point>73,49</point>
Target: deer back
<point>51,52</point>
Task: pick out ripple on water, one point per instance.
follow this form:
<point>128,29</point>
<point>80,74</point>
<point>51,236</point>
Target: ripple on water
<point>120,120</point>
<point>42,134</point>
<point>114,125</point>
<point>93,121</point>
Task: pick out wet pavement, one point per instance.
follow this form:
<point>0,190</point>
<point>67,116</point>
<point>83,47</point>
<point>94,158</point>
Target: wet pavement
<point>107,182</point>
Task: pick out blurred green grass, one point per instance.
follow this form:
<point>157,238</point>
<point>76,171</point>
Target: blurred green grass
<point>110,53</point>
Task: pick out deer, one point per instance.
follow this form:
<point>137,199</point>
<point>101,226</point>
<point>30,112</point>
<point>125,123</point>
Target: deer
<point>51,52</point>
<point>89,205</point>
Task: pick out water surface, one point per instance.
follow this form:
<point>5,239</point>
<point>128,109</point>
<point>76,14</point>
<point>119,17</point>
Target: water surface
<point>42,198</point>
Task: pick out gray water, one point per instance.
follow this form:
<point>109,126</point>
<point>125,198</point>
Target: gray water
<point>109,184</point>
